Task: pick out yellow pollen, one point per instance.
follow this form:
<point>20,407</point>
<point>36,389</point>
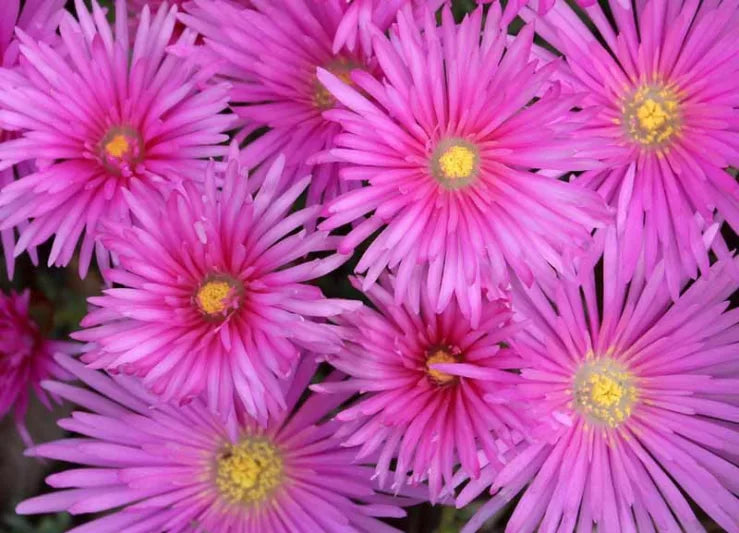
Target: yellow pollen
<point>455,162</point>
<point>437,376</point>
<point>249,472</point>
<point>117,146</point>
<point>604,392</point>
<point>651,115</point>
<point>213,296</point>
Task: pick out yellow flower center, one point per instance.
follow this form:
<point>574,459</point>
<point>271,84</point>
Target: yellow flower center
<point>117,146</point>
<point>604,392</point>
<point>455,163</point>
<point>218,295</point>
<point>249,472</point>
<point>120,149</point>
<point>437,376</point>
<point>651,115</point>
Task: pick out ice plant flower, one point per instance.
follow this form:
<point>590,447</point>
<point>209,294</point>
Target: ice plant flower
<point>213,294</point>
<point>143,127</point>
<point>178,469</point>
<point>446,144</point>
<point>423,377</point>
<point>39,19</point>
<point>641,395</point>
<point>270,54</point>
<point>26,358</point>
<point>662,79</point>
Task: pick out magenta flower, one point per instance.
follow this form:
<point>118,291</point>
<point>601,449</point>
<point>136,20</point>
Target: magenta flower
<point>180,469</point>
<point>640,394</point>
<point>446,160</point>
<point>39,19</point>
<point>270,54</point>
<point>663,92</point>
<point>214,296</point>
<point>26,358</point>
<point>142,128</point>
<point>541,6</point>
<point>423,377</point>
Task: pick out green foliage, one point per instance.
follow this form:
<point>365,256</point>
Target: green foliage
<point>58,523</point>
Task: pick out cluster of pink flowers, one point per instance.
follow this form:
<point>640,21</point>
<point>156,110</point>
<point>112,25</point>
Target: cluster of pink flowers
<point>537,221</point>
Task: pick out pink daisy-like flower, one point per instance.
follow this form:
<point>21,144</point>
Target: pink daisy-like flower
<point>662,80</point>
<point>423,378</point>
<point>270,54</point>
<point>446,144</point>
<point>142,127</point>
<point>26,358</point>
<point>641,393</point>
<point>181,469</point>
<point>39,19</point>
<point>214,295</point>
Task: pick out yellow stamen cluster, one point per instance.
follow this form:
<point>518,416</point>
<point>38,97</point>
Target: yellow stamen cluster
<point>121,149</point>
<point>437,376</point>
<point>455,163</point>
<point>249,472</point>
<point>604,392</point>
<point>213,296</point>
<point>117,146</point>
<point>651,115</point>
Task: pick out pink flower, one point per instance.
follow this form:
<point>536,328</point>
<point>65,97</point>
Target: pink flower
<point>181,469</point>
<point>662,89</point>
<point>39,19</point>
<point>640,395</point>
<point>423,377</point>
<point>143,127</point>
<point>445,143</point>
<point>270,54</point>
<point>214,296</point>
<point>25,358</point>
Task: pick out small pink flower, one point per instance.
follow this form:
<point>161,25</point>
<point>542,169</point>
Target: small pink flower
<point>422,378</point>
<point>639,395</point>
<point>445,143</point>
<point>214,295</point>
<point>142,127</point>
<point>157,467</point>
<point>26,358</point>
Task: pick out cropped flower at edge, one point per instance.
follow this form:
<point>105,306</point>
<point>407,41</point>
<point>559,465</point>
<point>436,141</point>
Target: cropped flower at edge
<point>214,296</point>
<point>180,469</point>
<point>640,399</point>
<point>422,379</point>
<point>39,19</point>
<point>662,89</point>
<point>143,128</point>
<point>446,160</point>
<point>26,358</point>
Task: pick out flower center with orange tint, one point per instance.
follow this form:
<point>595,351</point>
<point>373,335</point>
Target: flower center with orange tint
<point>437,356</point>
<point>651,115</point>
<point>121,149</point>
<point>250,471</point>
<point>341,68</point>
<point>218,296</point>
<point>604,392</point>
<point>455,163</point>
